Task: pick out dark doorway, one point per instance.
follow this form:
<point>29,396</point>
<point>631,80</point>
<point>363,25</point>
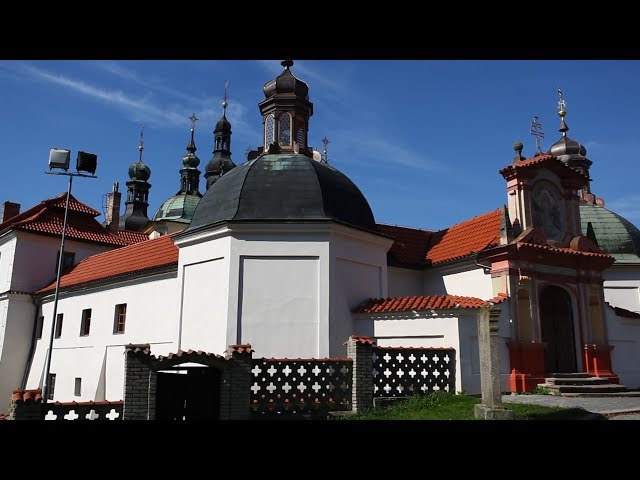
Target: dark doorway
<point>194,395</point>
<point>556,319</point>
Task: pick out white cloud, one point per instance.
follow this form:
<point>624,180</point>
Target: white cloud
<point>628,207</point>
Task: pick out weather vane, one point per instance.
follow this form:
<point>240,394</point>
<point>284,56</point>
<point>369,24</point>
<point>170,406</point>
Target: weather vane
<point>325,142</point>
<point>193,119</point>
<point>141,146</point>
<point>561,103</point>
<point>224,101</point>
<point>536,131</point>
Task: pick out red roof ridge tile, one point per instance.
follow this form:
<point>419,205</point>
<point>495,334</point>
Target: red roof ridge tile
<point>419,303</point>
<point>27,395</point>
<point>415,348</point>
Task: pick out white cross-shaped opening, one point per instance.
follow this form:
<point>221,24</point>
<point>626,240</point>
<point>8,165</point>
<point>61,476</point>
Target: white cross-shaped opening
<point>302,370</point>
<point>399,357</point>
<point>375,388</point>
<point>92,415</point>
<point>386,357</point>
<point>412,358</point>
<point>50,415</point>
<point>412,372</point>
<point>331,370</point>
<point>255,388</point>
<point>286,387</point>
<point>436,388</point>
<point>435,358</point>
<point>256,370</point>
<point>344,370</point>
<point>400,388</point>
<point>387,388</point>
<point>374,357</point>
<point>424,388</point>
<point>374,373</point>
<point>287,370</point>
<point>316,387</point>
<point>72,415</point>
<point>400,373</point>
<point>446,358</point>
<point>446,372</point>
<point>387,373</point>
<point>302,387</point>
<point>316,370</point>
<point>436,373</point>
<point>423,358</point>
<point>271,387</point>
<point>112,415</point>
<point>272,371</point>
<point>424,373</point>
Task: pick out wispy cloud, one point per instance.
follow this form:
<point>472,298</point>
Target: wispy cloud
<point>628,207</point>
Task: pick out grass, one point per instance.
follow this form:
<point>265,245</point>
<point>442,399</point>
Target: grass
<point>448,406</point>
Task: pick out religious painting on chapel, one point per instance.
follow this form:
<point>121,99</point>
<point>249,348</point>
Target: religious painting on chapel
<point>548,210</point>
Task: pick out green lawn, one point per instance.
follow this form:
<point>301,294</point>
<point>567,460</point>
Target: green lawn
<point>447,406</point>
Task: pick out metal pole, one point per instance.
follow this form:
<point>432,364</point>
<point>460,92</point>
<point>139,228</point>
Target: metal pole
<point>45,389</point>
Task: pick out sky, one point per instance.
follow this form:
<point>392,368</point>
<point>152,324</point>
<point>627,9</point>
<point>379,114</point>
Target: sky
<point>424,140</point>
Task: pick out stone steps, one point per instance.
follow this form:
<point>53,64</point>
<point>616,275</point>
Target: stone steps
<point>584,385</point>
<point>628,393</point>
<point>577,381</point>
<point>598,389</point>
<point>571,375</point>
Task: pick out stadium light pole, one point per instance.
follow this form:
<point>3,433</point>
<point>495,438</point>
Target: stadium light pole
<point>59,159</point>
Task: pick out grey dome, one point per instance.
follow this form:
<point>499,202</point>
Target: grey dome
<point>284,187</point>
<point>567,146</point>
<point>616,235</point>
<point>139,171</point>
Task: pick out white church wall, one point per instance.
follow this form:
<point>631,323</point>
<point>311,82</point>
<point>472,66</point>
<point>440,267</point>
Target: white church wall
<point>622,286</point>
<point>624,336</point>
<point>16,328</point>
<point>466,280</point>
<point>7,254</point>
<point>151,317</point>
<point>405,282</point>
<point>35,259</point>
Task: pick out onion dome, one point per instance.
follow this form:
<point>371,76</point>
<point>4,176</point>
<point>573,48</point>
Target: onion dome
<point>285,83</point>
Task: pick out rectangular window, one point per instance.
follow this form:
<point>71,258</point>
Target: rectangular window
<point>120,318</point>
<point>77,391</point>
<point>67,261</point>
<point>85,324</point>
<point>39,326</point>
<point>52,385</point>
<point>58,333</point>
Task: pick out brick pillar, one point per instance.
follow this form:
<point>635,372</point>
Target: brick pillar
<point>235,391</point>
<point>139,393</point>
<point>26,405</point>
<point>360,351</point>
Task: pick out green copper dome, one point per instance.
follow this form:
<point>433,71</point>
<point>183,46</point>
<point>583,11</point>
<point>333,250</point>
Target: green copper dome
<point>615,235</point>
<point>178,208</point>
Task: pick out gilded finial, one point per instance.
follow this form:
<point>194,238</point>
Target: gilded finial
<point>224,99</point>
<point>536,131</point>
<point>192,144</point>
<point>325,142</point>
<point>562,112</point>
<point>193,119</point>
<point>141,146</point>
<point>287,64</point>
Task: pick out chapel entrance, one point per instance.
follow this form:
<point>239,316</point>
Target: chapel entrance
<point>556,318</point>
<point>191,393</point>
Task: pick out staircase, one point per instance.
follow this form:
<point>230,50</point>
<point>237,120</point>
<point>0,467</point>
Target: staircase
<point>584,385</point>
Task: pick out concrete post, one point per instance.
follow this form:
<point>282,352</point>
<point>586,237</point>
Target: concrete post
<point>360,350</point>
<point>235,391</point>
<point>491,407</point>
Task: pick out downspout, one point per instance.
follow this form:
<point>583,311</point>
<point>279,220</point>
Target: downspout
<point>32,350</point>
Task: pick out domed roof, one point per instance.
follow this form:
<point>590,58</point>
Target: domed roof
<point>223,125</point>
<point>567,146</point>
<point>179,208</point>
<point>190,160</point>
<point>139,171</point>
<point>284,187</point>
<point>286,82</point>
<point>615,235</point>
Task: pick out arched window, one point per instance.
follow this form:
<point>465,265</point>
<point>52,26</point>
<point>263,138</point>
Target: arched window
<point>300,134</point>
<point>284,129</point>
<point>269,128</point>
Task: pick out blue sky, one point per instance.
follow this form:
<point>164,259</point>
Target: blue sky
<point>423,139</point>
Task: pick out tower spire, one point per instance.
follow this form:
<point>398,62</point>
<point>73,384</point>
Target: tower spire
<point>562,113</point>
<point>221,162</point>
<point>325,142</point>
<point>224,99</point>
<point>191,148</point>
<point>141,146</point>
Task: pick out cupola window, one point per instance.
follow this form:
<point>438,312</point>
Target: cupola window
<point>284,129</point>
<point>269,130</point>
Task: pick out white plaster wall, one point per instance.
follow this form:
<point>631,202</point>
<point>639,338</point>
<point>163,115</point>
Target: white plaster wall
<point>16,328</point>
<point>151,318</point>
<point>624,336</point>
<point>7,253</point>
<point>404,282</point>
<point>622,286</point>
<point>280,305</point>
<point>471,282</point>
<point>35,259</point>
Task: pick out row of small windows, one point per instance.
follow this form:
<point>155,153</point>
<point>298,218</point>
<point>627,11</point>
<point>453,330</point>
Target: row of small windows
<point>119,321</point>
<point>77,386</point>
<point>284,130</point>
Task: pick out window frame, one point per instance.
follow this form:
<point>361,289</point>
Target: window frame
<point>85,322</point>
<point>59,322</point>
<point>77,387</point>
<point>120,319</point>
<point>39,327</point>
<point>51,385</point>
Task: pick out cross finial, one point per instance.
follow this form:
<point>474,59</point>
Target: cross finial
<point>561,103</point>
<point>193,119</point>
<point>224,99</point>
<point>141,146</point>
<point>536,131</point>
<point>325,142</point>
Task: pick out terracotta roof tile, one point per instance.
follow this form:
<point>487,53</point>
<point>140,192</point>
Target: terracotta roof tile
<point>428,302</point>
<point>27,395</point>
<point>470,236</point>
<point>246,347</point>
<point>90,402</point>
<point>552,162</point>
<point>141,256</point>
<point>363,339</point>
<point>563,250</point>
<point>188,353</point>
<point>48,216</point>
<point>4,416</point>
<point>131,237</point>
<point>415,348</point>
<point>410,246</point>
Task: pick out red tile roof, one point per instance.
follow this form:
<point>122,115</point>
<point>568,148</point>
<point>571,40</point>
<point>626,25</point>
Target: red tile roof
<point>4,416</point>
<point>428,302</point>
<point>570,251</point>
<point>131,237</point>
<point>410,246</point>
<point>470,236</point>
<point>245,347</point>
<point>48,216</point>
<point>551,162</point>
<point>148,255</point>
<point>27,395</point>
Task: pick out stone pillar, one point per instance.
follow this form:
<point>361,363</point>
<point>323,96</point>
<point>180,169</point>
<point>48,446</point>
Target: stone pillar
<point>235,391</point>
<point>491,407</point>
<point>137,391</point>
<point>26,405</point>
<point>360,351</point>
